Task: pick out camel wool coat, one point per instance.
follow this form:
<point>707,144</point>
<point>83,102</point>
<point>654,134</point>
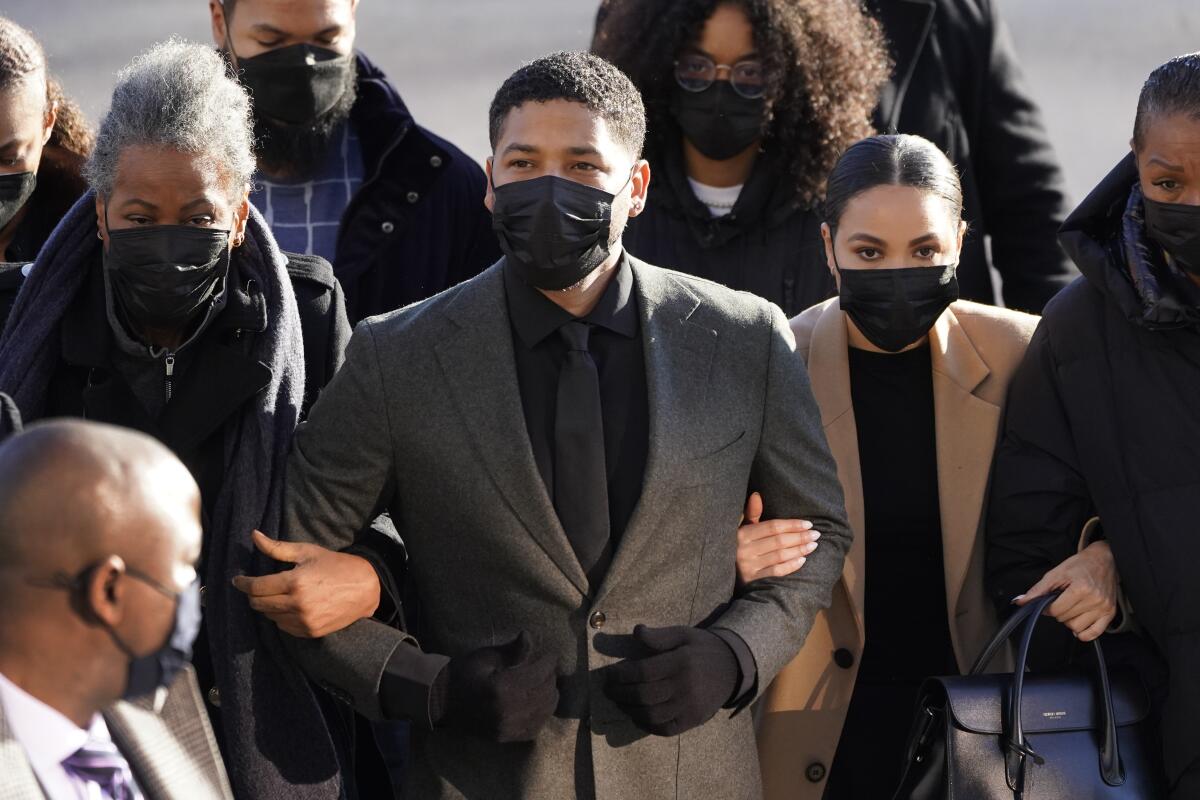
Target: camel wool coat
<point>975,350</point>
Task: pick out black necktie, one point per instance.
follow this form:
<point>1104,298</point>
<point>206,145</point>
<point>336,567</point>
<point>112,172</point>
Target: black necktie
<point>580,476</point>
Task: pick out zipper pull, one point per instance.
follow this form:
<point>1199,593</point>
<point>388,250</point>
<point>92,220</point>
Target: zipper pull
<point>169,363</point>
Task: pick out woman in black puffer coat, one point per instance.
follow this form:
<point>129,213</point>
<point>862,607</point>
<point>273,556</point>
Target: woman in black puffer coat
<point>1103,416</point>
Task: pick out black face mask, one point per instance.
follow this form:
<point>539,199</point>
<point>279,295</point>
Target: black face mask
<point>295,84</point>
<point>15,191</point>
<point>719,121</point>
<point>166,275</point>
<point>1176,229</point>
<point>555,232</point>
<point>895,307</point>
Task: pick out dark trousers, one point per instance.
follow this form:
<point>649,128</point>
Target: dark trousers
<point>870,754</point>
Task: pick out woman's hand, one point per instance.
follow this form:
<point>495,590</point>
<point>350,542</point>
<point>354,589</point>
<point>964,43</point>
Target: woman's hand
<point>771,549</point>
<point>1088,603</point>
<point>324,592</point>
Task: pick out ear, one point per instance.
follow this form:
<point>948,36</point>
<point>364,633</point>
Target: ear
<point>100,219</point>
<point>49,122</point>
<point>104,591</point>
<point>639,187</point>
<point>962,234</point>
<point>241,217</point>
<point>220,31</point>
<point>830,259</point>
<point>489,197</point>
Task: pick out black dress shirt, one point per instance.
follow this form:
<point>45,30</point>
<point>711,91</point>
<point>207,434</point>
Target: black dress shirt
<point>616,347</point>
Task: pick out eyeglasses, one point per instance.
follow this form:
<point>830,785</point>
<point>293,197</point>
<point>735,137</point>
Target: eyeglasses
<point>695,73</point>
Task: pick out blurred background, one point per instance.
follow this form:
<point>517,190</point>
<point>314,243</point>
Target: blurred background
<point>1085,59</point>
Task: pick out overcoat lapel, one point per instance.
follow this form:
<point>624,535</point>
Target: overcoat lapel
<point>966,427</point>
<point>480,369</point>
<point>829,368</point>
<point>17,779</point>
<point>679,351</point>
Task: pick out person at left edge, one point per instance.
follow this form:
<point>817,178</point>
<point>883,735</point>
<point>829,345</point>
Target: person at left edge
<point>344,172</point>
<point>162,303</point>
<point>44,140</point>
<point>567,493</point>
<point>101,606</point>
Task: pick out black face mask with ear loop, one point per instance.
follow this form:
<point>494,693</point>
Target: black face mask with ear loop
<point>15,190</point>
<point>554,232</point>
<point>895,307</point>
<point>1175,228</point>
<point>165,275</point>
<point>294,84</point>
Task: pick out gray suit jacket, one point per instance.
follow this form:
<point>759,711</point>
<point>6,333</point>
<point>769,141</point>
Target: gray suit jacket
<point>172,753</point>
<point>425,420</point>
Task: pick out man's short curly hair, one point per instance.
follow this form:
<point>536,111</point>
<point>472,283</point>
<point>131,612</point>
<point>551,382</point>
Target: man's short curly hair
<point>826,61</point>
<point>580,78</point>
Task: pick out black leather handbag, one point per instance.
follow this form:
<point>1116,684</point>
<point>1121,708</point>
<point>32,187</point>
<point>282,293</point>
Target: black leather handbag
<point>1031,737</point>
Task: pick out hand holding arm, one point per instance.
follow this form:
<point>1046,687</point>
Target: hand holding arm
<point>325,591</point>
<point>774,548</point>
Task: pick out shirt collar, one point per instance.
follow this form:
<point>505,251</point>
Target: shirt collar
<point>534,316</point>
<point>46,735</point>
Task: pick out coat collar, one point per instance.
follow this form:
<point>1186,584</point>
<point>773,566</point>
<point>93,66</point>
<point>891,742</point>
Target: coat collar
<point>171,749</point>
<point>965,427</point>
<point>219,379</point>
<point>678,352</point>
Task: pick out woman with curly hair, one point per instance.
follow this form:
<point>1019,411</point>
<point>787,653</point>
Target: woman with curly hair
<point>44,141</point>
<point>744,125</point>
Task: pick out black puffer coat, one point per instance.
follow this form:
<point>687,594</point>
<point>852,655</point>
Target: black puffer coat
<point>1103,420</point>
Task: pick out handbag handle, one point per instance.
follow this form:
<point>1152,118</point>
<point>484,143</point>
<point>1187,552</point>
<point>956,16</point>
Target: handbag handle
<point>1029,615</point>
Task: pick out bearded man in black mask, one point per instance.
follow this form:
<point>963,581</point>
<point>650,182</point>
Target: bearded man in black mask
<point>344,172</point>
<point>566,443</point>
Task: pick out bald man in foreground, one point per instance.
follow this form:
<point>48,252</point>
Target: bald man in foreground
<point>99,538</point>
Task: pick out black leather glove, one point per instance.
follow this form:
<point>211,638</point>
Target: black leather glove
<point>689,675</point>
<point>501,693</point>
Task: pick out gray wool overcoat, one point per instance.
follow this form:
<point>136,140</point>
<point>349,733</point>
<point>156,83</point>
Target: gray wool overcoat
<point>425,420</point>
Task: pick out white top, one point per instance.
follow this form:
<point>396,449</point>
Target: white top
<point>49,738</point>
<point>719,199</point>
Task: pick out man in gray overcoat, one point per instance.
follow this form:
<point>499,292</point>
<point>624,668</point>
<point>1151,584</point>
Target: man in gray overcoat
<point>565,444</point>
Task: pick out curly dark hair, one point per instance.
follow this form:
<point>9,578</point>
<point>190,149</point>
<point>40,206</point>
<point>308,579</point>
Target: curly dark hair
<point>21,56</point>
<point>826,61</point>
<point>579,77</point>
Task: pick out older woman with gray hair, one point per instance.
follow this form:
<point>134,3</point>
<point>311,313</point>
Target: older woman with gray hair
<point>162,303</point>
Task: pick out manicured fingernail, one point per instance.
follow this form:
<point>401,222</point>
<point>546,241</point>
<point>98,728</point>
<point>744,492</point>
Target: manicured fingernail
<point>1018,598</point>
<point>800,562</point>
<point>816,535</point>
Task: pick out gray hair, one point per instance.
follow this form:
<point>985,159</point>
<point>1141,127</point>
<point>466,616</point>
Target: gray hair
<point>178,95</point>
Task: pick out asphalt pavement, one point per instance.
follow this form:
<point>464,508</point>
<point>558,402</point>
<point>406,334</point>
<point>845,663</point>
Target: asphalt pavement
<point>1085,59</point>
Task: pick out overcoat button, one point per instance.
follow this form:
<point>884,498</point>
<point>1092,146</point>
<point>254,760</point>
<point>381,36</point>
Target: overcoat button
<point>435,161</point>
<point>815,772</point>
<point>214,697</point>
<point>843,658</point>
<point>597,620</point>
<point>387,227</point>
<point>412,197</point>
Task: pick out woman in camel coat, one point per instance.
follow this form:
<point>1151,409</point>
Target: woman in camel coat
<point>911,384</point>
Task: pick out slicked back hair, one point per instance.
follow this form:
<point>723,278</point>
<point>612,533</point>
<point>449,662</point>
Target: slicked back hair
<point>1173,88</point>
